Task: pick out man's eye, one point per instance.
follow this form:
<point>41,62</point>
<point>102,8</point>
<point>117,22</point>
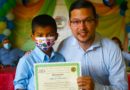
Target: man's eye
<point>75,22</point>
<point>89,20</point>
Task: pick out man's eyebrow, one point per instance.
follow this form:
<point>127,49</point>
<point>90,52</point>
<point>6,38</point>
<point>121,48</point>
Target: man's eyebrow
<point>84,18</point>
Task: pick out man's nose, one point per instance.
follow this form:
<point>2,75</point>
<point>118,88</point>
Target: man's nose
<point>82,25</point>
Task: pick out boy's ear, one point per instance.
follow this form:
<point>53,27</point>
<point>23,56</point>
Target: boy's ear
<point>33,37</point>
<point>56,37</point>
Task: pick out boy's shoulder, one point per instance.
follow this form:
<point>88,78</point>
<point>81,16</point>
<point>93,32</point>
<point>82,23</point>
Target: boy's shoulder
<point>59,56</point>
<point>27,54</point>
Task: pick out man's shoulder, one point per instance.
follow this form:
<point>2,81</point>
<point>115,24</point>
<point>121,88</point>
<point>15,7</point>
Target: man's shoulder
<point>109,44</point>
<point>17,49</point>
<point>107,41</point>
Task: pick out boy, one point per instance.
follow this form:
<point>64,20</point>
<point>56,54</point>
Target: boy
<point>44,34</point>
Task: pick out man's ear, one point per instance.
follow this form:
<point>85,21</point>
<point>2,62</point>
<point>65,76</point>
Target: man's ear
<point>97,22</point>
<point>69,23</point>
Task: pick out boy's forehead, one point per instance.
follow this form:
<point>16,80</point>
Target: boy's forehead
<point>44,29</point>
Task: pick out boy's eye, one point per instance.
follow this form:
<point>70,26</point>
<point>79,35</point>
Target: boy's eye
<point>47,35</point>
<point>51,34</point>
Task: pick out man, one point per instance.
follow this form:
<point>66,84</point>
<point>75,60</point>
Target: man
<point>9,56</point>
<point>101,60</point>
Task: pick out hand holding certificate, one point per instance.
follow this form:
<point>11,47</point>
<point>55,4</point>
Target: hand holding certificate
<point>56,76</point>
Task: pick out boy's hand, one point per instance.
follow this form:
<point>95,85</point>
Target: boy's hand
<point>85,83</point>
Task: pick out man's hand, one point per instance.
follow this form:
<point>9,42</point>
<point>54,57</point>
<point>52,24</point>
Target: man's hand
<point>85,83</point>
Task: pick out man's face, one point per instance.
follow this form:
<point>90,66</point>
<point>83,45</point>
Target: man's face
<point>5,41</point>
<point>83,24</point>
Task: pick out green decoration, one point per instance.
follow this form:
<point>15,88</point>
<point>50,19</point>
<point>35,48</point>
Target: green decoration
<point>48,7</point>
<point>7,7</point>
<point>2,13</point>
<point>68,3</point>
<point>118,2</point>
<point>7,32</point>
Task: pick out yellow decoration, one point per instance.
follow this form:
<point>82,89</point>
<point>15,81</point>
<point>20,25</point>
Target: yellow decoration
<point>2,26</point>
<point>128,4</point>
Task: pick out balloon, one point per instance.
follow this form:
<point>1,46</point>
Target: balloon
<point>10,24</point>
<point>123,8</point>
<point>3,25</point>
<point>109,3</point>
<point>128,27</point>
<point>10,16</point>
<point>7,32</point>
<point>2,37</point>
<point>25,2</point>
<point>2,2</point>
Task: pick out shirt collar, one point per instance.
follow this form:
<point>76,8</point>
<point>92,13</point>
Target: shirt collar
<point>42,55</point>
<point>96,43</point>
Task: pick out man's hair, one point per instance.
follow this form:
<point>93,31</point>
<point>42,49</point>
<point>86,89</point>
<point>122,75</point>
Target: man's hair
<point>118,41</point>
<point>43,21</point>
<point>82,4</point>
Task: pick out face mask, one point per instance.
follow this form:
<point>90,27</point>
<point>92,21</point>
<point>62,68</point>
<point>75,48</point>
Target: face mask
<point>7,46</point>
<point>44,43</point>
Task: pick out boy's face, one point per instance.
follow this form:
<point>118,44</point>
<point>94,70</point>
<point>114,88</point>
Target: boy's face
<point>44,32</point>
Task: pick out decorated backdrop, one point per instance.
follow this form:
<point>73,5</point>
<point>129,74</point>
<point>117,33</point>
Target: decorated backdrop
<point>16,16</point>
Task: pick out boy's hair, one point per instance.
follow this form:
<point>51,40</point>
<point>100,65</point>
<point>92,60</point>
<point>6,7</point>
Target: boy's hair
<point>82,4</point>
<point>43,21</point>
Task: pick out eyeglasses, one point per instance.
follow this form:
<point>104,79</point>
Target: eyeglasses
<point>86,21</point>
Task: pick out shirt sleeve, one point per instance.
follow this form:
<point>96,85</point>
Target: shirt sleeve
<point>126,55</point>
<point>117,71</point>
<point>21,76</point>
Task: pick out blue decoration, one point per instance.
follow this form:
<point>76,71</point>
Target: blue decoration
<point>109,3</point>
<point>2,37</point>
<point>123,8</point>
<point>2,2</point>
<point>127,28</point>
<point>10,25</point>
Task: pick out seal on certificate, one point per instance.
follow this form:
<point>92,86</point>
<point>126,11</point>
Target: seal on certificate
<point>73,69</point>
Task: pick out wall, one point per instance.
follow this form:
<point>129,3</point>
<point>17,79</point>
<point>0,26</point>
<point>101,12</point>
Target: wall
<point>61,10</point>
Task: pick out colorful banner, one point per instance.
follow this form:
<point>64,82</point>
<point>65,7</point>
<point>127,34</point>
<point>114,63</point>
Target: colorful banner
<point>24,15</point>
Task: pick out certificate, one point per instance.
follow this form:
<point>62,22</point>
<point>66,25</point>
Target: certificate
<point>56,76</point>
